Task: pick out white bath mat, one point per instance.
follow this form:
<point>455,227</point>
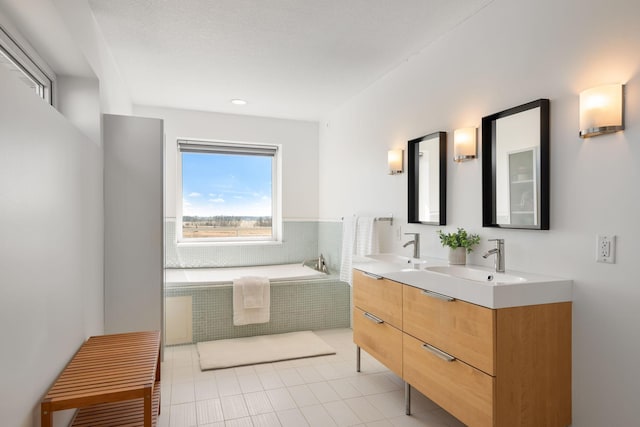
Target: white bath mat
<point>261,349</point>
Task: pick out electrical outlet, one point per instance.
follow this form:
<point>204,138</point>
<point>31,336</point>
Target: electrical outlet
<point>606,248</point>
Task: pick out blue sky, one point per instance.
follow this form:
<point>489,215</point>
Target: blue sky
<point>226,184</point>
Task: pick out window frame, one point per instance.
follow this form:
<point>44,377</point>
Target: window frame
<point>240,148</point>
<point>26,63</point>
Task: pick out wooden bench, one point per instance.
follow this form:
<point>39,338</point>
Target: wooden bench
<point>114,380</point>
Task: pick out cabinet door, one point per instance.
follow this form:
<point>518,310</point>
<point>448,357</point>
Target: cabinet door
<point>378,296</point>
<point>379,339</point>
<point>467,331</point>
<point>178,320</point>
<point>462,390</point>
<point>533,378</point>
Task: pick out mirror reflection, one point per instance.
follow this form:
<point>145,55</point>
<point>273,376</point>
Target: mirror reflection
<point>427,179</point>
<point>515,167</point>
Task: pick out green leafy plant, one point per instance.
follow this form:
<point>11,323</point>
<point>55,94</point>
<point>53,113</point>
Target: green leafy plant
<point>459,239</point>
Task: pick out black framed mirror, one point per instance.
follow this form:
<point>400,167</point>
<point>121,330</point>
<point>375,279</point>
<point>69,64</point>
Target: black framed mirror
<point>515,167</point>
<point>427,175</point>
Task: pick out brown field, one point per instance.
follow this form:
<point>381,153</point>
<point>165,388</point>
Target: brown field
<point>210,231</point>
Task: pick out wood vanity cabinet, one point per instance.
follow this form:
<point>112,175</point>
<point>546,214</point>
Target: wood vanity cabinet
<point>453,326</point>
<point>507,367</point>
<point>377,318</point>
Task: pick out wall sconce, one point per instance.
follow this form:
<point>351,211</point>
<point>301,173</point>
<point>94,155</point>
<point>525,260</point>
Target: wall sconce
<point>601,110</point>
<point>464,144</point>
<point>395,159</point>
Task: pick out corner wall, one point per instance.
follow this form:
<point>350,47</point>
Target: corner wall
<point>51,250</point>
<point>510,53</point>
<point>88,37</point>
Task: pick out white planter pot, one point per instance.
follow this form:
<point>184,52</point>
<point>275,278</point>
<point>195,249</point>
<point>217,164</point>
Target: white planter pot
<point>458,256</point>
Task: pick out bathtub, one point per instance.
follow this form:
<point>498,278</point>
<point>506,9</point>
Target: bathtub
<point>224,275</point>
<point>301,299</point>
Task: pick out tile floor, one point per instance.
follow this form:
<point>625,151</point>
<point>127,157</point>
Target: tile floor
<point>319,391</point>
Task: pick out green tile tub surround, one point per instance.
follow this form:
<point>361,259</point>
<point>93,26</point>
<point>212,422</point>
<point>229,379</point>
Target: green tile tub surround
<point>300,242</point>
<point>295,306</point>
<point>330,243</point>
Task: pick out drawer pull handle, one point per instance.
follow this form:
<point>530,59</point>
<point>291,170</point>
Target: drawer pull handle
<point>373,318</point>
<point>372,276</point>
<point>441,354</point>
<point>438,296</point>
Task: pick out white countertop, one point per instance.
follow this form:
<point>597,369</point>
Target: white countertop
<point>530,289</point>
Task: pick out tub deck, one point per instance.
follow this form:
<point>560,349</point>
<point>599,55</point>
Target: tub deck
<point>225,275</point>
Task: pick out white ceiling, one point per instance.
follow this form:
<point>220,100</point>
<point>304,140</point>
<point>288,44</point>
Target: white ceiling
<point>295,59</point>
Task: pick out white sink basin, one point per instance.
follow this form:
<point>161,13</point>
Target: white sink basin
<point>396,259</point>
<point>393,258</point>
<point>483,286</point>
<point>382,263</point>
<point>483,276</point>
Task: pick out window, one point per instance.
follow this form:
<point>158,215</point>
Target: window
<point>18,62</point>
<point>228,192</point>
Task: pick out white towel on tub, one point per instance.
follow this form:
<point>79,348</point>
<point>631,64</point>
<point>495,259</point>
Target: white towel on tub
<point>348,241</point>
<point>251,300</point>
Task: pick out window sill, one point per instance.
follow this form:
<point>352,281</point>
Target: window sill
<point>186,244</point>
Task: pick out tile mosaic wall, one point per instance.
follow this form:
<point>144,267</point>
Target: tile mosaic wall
<point>330,244</point>
<point>300,242</point>
<point>295,306</point>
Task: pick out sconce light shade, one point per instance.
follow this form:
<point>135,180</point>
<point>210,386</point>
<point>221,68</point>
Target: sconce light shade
<point>601,110</point>
<point>395,158</point>
<point>464,144</point>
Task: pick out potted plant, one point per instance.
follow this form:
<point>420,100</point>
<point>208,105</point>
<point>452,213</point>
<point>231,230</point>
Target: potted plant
<point>460,243</point>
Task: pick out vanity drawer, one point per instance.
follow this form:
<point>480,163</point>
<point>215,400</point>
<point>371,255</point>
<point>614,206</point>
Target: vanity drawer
<point>379,339</point>
<point>380,297</point>
<point>462,390</point>
<point>466,331</point>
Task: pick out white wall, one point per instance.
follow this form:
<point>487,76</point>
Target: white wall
<point>64,38</point>
<point>80,22</point>
<point>510,53</point>
<point>79,101</point>
<point>50,250</point>
<point>299,141</point>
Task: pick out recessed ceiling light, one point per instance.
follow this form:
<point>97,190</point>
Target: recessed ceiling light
<point>238,102</point>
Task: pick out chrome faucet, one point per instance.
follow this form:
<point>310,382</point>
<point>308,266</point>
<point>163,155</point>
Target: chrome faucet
<point>318,264</point>
<point>498,251</point>
<point>415,242</point>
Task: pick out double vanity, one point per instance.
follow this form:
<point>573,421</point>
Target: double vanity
<point>493,349</point>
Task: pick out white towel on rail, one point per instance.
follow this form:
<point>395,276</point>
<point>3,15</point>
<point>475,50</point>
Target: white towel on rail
<point>366,236</point>
<point>348,240</point>
<point>251,300</point>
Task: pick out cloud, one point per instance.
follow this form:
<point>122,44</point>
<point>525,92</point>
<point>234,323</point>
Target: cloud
<point>185,203</point>
<point>217,200</point>
<point>195,194</point>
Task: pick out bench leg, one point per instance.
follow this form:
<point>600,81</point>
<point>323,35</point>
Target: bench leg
<point>46,417</point>
<point>148,405</point>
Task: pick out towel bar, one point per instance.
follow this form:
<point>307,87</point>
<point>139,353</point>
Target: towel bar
<point>380,218</point>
